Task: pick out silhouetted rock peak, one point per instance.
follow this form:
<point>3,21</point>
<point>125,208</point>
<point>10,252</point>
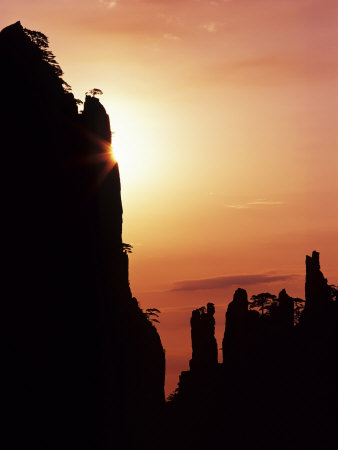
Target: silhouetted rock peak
<point>96,119</point>
<point>31,74</point>
<point>204,345</point>
<point>313,261</point>
<point>282,294</point>
<point>241,297</point>
<point>12,29</point>
<point>15,33</point>
<point>317,291</point>
<point>235,325</point>
<point>13,39</point>
<point>285,309</point>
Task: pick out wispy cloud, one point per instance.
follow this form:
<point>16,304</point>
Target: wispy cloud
<point>210,27</point>
<point>228,281</point>
<point>243,206</point>
<point>171,37</point>
<point>109,3</point>
<point>266,202</point>
<point>257,202</point>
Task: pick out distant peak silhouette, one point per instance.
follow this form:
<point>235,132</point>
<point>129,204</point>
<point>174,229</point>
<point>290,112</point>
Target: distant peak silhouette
<point>279,363</point>
<point>204,345</point>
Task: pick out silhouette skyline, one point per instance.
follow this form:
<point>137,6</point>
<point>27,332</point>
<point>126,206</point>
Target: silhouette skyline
<point>277,384</point>
<point>87,362</point>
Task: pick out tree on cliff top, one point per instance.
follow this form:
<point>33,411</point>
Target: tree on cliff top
<point>333,292</point>
<point>262,301</point>
<point>298,308</point>
<point>42,43</point>
<point>94,92</point>
<point>152,314</point>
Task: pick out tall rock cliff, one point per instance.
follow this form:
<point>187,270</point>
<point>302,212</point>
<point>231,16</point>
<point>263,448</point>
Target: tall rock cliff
<point>204,345</point>
<point>317,291</point>
<point>87,367</point>
<point>236,327</point>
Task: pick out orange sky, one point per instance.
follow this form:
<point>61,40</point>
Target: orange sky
<point>225,115</point>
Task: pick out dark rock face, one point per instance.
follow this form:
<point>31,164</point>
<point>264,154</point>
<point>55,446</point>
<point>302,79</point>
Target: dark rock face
<point>317,292</point>
<point>283,314</point>
<point>96,120</point>
<point>86,365</point>
<point>236,326</point>
<point>204,345</point>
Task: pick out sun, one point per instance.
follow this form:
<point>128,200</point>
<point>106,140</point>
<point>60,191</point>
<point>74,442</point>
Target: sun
<point>131,144</point>
<point>126,153</point>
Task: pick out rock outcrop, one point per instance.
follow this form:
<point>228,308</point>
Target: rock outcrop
<point>236,326</point>
<point>204,345</point>
<point>283,315</point>
<point>317,291</point>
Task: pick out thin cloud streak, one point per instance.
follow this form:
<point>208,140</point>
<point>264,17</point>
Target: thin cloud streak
<point>210,27</point>
<point>265,202</point>
<point>171,37</point>
<point>258,202</point>
<point>228,281</point>
<point>109,4</point>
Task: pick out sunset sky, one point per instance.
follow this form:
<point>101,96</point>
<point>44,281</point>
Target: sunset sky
<point>225,116</point>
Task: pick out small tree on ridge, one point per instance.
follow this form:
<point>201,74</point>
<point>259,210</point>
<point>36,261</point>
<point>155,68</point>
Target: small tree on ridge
<point>262,301</point>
